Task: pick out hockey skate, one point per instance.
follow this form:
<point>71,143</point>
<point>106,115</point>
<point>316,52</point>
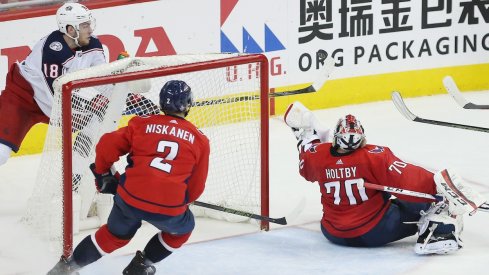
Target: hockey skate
<point>439,233</point>
<point>65,266</point>
<point>139,266</point>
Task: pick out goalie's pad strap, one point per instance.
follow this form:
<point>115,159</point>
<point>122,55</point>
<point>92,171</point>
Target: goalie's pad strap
<point>459,196</point>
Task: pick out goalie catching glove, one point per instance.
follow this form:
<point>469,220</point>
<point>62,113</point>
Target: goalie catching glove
<point>106,183</point>
<point>305,125</point>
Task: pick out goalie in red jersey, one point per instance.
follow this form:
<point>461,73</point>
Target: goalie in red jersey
<point>168,160</point>
<point>360,217</point>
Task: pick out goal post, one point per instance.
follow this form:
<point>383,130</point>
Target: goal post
<point>237,129</point>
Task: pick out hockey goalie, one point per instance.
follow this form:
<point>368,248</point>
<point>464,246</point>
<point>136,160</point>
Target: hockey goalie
<point>359,217</point>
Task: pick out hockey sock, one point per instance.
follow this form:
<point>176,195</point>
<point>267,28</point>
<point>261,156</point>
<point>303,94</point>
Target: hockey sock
<point>162,245</point>
<point>108,242</point>
<point>93,247</point>
<point>86,252</point>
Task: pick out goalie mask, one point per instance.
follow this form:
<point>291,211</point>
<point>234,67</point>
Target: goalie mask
<point>349,134</point>
<point>176,97</point>
<point>74,14</point>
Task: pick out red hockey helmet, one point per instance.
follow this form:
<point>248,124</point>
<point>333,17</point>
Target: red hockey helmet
<point>349,134</point>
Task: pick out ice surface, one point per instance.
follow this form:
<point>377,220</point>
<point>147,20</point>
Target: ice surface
<point>299,248</point>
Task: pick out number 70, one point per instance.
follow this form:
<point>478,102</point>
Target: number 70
<point>335,187</point>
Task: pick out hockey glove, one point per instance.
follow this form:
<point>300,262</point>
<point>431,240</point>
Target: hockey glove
<point>461,197</point>
<point>106,183</point>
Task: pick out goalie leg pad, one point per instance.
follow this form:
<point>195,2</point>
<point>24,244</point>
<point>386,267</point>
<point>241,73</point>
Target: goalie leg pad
<point>439,232</point>
<point>461,197</point>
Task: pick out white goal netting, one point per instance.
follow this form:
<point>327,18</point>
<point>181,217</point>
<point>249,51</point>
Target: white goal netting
<point>228,110</point>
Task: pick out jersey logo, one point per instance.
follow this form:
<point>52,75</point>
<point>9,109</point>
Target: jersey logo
<point>56,46</point>
<point>339,162</point>
<point>311,149</point>
<point>377,150</point>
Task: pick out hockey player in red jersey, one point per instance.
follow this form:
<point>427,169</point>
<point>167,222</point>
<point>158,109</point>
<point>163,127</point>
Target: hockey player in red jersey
<point>28,95</point>
<point>168,159</point>
<point>360,217</point>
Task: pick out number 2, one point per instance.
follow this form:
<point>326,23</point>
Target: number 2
<point>158,162</point>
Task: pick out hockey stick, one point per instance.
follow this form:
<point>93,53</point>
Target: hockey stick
<point>484,207</point>
<point>403,109</point>
<point>281,221</point>
<point>323,76</point>
<point>454,91</point>
<point>401,191</point>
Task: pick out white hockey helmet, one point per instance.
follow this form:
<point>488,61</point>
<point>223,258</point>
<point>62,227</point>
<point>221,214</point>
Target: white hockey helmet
<point>349,134</point>
<point>73,14</point>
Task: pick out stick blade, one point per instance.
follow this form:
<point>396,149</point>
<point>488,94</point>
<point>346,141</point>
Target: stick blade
<point>401,106</point>
<point>454,91</point>
<point>281,221</point>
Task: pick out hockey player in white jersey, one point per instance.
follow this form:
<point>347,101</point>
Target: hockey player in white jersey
<point>28,95</point>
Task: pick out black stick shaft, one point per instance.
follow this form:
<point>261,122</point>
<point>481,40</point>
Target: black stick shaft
<point>451,124</point>
<point>281,221</point>
<point>308,89</point>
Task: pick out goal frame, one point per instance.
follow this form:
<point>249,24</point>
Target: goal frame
<point>66,119</point>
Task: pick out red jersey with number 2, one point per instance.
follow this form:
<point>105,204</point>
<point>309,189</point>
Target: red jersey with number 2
<point>350,210</point>
<point>167,163</point>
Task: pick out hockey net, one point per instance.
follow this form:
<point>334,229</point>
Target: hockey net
<point>231,108</point>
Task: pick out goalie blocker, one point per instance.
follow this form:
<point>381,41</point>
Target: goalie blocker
<point>461,198</point>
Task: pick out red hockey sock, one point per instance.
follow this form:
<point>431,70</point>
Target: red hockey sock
<point>174,241</point>
<point>107,241</point>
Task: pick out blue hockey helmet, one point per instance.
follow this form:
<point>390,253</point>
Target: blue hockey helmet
<point>176,97</point>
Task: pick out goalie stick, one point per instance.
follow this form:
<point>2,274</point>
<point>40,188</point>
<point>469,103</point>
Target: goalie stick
<point>454,91</point>
<point>484,207</point>
<point>403,109</point>
<point>323,76</point>
<point>281,221</point>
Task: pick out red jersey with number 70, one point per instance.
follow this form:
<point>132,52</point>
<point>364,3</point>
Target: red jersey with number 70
<point>168,160</point>
<point>350,210</point>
